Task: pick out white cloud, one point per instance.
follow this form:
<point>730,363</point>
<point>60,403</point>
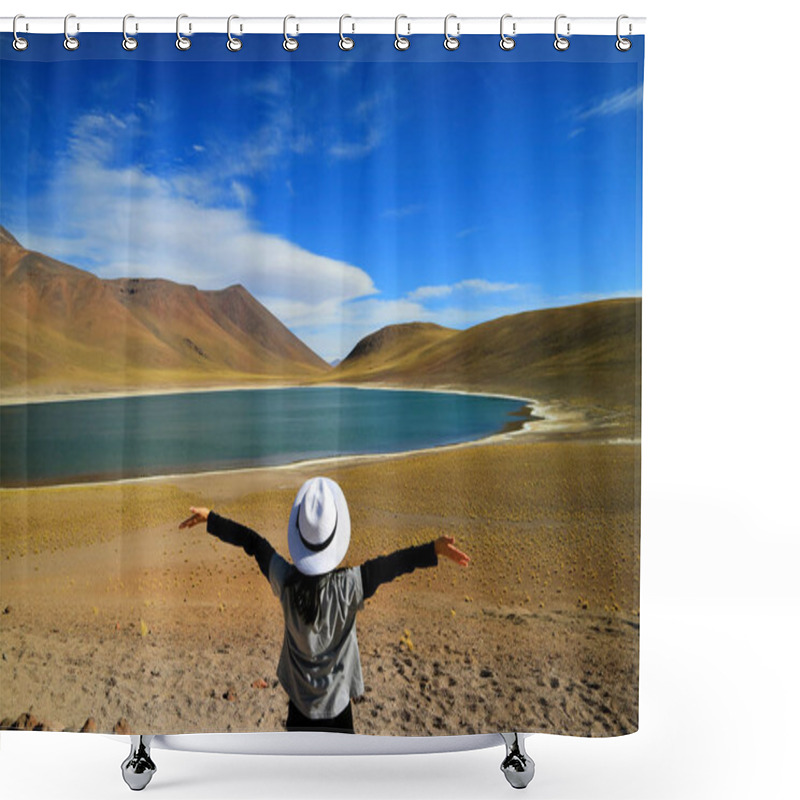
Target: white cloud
<point>242,193</point>
<point>476,286</point>
<point>430,292</point>
<point>622,101</point>
<point>351,150</point>
<point>481,286</point>
<point>129,222</point>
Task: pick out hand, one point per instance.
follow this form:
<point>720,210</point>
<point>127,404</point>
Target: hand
<point>444,547</point>
<point>198,515</point>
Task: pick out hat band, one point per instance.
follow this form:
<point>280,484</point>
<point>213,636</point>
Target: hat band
<point>316,548</point>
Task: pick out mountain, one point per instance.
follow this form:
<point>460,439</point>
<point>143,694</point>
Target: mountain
<point>589,353</point>
<point>64,330</point>
<point>390,347</point>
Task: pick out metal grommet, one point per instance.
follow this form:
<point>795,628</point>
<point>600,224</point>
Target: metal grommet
<point>345,42</point>
<point>19,43</point>
<point>128,42</point>
<point>561,43</point>
<point>233,44</point>
<point>506,42</point>
<point>400,42</point>
<point>289,44</point>
<point>622,44</point>
<point>70,42</point>
<point>182,43</point>
<point>451,42</point>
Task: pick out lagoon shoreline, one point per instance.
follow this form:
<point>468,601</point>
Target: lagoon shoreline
<point>530,412</point>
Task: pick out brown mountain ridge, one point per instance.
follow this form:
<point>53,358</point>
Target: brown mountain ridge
<point>64,330</point>
<point>588,354</point>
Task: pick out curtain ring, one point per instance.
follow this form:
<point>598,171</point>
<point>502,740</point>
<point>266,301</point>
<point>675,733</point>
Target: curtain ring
<point>506,42</point>
<point>289,44</point>
<point>182,43</point>
<point>400,42</point>
<point>128,42</point>
<point>233,44</point>
<point>345,42</point>
<point>623,44</point>
<point>561,43</point>
<point>70,42</point>
<point>19,43</point>
<point>450,42</point>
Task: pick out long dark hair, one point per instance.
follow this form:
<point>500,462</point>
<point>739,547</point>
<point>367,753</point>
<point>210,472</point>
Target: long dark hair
<point>306,590</point>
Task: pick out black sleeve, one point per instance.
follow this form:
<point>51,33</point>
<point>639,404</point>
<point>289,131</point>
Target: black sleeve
<point>386,568</point>
<point>234,533</point>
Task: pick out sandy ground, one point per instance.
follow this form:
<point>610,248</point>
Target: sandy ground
<point>110,615</point>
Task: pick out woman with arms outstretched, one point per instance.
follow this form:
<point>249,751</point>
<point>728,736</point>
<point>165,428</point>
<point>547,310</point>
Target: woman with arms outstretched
<point>320,666</point>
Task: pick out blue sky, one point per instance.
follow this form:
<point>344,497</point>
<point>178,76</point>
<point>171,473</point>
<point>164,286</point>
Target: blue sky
<point>344,195</point>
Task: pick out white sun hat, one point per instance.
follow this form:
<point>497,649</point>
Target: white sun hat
<point>319,527</point>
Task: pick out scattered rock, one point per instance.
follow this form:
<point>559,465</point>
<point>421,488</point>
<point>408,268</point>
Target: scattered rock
<point>260,684</point>
<point>122,727</point>
<point>7,610</point>
<point>486,673</point>
<point>230,695</point>
<point>43,726</point>
<point>24,722</point>
<point>554,684</point>
<point>90,726</point>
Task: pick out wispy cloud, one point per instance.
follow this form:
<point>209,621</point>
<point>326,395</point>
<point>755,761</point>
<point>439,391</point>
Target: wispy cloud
<point>475,286</point>
<point>468,232</point>
<point>615,104</point>
<point>373,136</point>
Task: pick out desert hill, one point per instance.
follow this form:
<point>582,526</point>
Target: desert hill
<point>64,330</point>
<point>393,345</point>
<point>588,353</point>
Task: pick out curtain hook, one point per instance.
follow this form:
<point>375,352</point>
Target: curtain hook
<point>128,42</point>
<point>451,42</point>
<point>233,43</point>
<point>623,44</point>
<point>561,43</point>
<point>182,43</point>
<point>70,42</point>
<point>19,43</point>
<point>345,42</point>
<point>506,42</point>
<point>289,44</point>
<point>400,42</point>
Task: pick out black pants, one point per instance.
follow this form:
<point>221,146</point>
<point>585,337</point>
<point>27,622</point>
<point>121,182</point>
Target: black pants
<point>297,721</point>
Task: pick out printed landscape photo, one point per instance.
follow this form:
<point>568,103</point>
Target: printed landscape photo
<point>183,330</point>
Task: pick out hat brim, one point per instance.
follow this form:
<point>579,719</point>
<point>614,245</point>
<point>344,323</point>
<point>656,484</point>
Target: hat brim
<point>308,561</point>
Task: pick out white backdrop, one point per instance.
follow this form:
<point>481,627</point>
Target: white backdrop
<point>720,701</point>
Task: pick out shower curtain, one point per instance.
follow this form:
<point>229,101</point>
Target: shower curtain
<point>228,272</point>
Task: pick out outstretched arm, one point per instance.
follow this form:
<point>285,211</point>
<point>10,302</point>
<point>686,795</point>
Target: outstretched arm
<point>233,533</point>
<point>386,568</point>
